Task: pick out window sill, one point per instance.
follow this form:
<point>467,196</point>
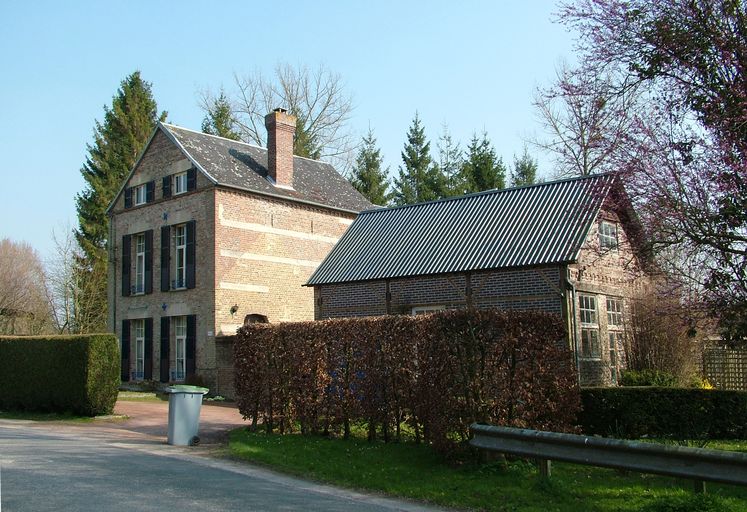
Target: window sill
<point>591,358</point>
<point>180,289</point>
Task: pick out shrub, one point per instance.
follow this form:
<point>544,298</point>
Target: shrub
<point>434,374</point>
<point>676,413</point>
<point>648,377</point>
<point>78,374</point>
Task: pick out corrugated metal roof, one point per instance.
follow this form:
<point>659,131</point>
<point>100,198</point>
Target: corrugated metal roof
<point>524,226</point>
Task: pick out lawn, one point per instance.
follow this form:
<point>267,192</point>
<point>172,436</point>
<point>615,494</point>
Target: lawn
<point>43,416</point>
<point>414,471</point>
<point>141,396</point>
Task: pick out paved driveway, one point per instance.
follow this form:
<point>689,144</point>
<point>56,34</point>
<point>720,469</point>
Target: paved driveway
<point>127,466</point>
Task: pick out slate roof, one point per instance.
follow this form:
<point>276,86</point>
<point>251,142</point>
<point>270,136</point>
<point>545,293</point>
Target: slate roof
<point>524,226</point>
<point>243,166</point>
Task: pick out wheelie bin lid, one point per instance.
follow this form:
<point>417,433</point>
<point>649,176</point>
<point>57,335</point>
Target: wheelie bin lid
<point>183,388</point>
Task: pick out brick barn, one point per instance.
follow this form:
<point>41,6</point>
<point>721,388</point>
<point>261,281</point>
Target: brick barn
<point>568,247</point>
<point>206,232</point>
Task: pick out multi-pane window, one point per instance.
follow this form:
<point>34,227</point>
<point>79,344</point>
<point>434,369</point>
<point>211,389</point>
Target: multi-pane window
<point>139,264</point>
<point>587,306</point>
<point>608,235</point>
<point>141,195</point>
<point>180,261</point>
<point>180,183</point>
<point>614,312</point>
<point>616,341</point>
<point>180,330</point>
<point>138,327</point>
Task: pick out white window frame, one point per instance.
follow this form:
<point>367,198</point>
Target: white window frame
<point>614,312</point>
<point>424,310</point>
<point>180,257</point>
<point>139,264</point>
<point>588,312</point>
<point>615,339</point>
<point>608,235</point>
<point>180,347</point>
<point>138,327</point>
<point>140,195</point>
<point>180,183</point>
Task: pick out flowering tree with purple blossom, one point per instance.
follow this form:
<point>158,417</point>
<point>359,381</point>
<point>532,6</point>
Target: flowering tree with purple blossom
<point>686,149</point>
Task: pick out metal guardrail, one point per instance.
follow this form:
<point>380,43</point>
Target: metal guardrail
<point>697,464</point>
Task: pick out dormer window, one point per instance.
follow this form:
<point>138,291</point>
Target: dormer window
<point>608,235</point>
<point>180,183</point>
<point>140,195</point>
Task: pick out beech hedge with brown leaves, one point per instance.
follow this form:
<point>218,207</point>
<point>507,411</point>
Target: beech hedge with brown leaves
<point>428,376</point>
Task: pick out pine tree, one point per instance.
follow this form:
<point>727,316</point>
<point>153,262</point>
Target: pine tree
<point>368,177</point>
<point>482,169</point>
<point>450,161</point>
<point>219,119</point>
<point>305,142</point>
<point>419,179</point>
<point>524,171</point>
<point>117,143</point>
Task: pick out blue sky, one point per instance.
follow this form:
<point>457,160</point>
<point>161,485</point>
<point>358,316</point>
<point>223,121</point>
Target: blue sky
<point>472,65</point>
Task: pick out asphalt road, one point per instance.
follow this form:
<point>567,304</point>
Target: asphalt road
<point>89,468</point>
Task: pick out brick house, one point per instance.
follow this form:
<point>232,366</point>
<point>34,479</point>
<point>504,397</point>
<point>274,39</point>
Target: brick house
<point>206,231</point>
<point>567,247</point>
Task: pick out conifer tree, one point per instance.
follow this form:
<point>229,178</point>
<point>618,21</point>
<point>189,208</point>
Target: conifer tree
<point>219,119</point>
<point>450,162</point>
<point>419,178</point>
<point>482,169</point>
<point>524,171</point>
<point>368,177</point>
<point>118,141</point>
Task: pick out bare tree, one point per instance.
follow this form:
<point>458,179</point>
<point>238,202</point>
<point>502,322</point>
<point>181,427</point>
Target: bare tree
<point>72,294</point>
<point>316,97</point>
<point>23,297</point>
<point>586,118</point>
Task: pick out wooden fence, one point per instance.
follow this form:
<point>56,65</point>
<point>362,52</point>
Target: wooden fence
<point>726,368</point>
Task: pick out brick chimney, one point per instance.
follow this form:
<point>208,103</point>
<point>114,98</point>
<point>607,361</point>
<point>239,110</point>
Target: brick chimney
<point>281,128</point>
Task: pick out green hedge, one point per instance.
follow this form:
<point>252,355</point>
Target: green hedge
<point>677,413</point>
<point>78,374</point>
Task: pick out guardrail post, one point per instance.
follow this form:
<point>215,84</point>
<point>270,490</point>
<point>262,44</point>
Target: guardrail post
<point>699,486</point>
<point>545,467</point>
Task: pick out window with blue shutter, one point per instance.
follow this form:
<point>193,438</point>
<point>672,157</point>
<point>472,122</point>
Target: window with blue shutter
<point>191,345</point>
<point>126,249</point>
<point>165,361</point>
<point>148,359</point>
<point>125,346</point>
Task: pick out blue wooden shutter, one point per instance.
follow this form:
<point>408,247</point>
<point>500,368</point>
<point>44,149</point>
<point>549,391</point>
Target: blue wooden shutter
<point>166,186</point>
<point>125,344</point>
<point>150,191</point>
<point>128,197</point>
<point>165,362</point>
<point>126,255</point>
<point>191,179</point>
<point>148,359</point>
<point>149,261</point>
<point>165,257</point>
<point>190,259</point>
<point>191,346</point>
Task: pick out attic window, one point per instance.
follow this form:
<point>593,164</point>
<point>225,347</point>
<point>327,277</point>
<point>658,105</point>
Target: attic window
<point>140,195</point>
<point>180,183</point>
<point>608,235</point>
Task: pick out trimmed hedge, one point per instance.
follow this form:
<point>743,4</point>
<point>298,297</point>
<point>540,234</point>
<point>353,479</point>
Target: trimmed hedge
<point>78,374</point>
<point>663,412</point>
<point>433,374</point>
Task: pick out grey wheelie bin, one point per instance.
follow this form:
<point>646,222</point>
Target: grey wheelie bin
<point>184,414</point>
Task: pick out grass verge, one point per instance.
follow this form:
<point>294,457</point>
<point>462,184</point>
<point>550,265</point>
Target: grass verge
<point>141,396</point>
<point>44,416</point>
<point>416,472</point>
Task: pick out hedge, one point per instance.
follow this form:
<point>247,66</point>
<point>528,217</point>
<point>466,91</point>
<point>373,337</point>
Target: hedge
<point>432,374</point>
<point>664,412</point>
<point>77,374</point>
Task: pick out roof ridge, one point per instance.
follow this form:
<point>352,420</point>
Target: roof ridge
<point>491,191</point>
<point>169,125</point>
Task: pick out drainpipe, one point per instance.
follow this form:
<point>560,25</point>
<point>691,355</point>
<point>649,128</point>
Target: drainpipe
<point>574,337</point>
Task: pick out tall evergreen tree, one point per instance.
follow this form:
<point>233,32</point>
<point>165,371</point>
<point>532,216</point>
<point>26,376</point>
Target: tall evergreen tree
<point>117,143</point>
<point>524,171</point>
<point>368,177</point>
<point>482,169</point>
<point>219,119</point>
<point>419,179</point>
<point>450,161</point>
